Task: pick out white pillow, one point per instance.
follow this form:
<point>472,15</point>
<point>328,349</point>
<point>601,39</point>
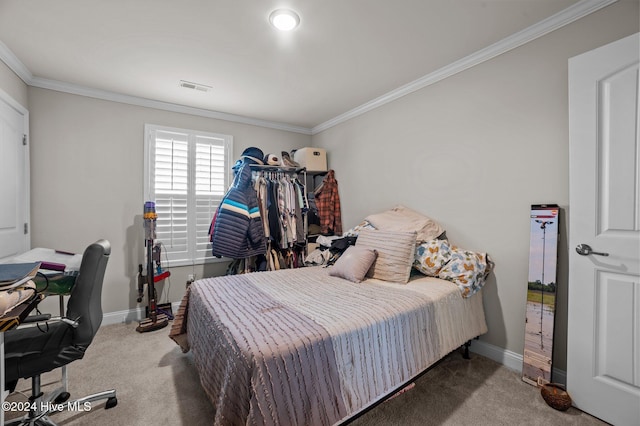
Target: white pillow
<point>403,219</point>
<point>395,253</point>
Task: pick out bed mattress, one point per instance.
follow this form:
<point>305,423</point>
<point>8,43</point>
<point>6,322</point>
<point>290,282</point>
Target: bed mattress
<point>299,347</point>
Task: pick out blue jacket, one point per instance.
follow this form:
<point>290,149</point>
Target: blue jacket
<point>237,231</point>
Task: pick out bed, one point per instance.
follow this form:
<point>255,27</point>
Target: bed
<point>303,347</point>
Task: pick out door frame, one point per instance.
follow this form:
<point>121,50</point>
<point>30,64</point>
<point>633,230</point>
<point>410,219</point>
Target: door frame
<point>12,103</point>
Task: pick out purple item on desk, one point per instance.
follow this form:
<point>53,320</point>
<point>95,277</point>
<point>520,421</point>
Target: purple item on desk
<point>52,266</point>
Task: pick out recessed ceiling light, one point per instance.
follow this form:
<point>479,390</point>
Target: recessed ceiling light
<point>284,19</point>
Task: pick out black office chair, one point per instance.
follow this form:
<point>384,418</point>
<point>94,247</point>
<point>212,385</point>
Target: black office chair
<point>32,351</point>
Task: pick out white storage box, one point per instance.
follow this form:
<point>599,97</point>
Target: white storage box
<point>314,159</point>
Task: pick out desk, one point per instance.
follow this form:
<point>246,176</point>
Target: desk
<point>57,283</point>
<point>8,321</point>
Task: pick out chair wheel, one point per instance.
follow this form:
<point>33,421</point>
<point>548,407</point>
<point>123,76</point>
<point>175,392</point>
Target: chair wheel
<point>62,397</point>
<point>111,402</point>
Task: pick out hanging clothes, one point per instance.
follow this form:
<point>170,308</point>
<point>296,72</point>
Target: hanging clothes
<point>237,231</point>
<point>282,202</point>
<point>281,197</point>
<point>300,210</point>
<point>328,204</point>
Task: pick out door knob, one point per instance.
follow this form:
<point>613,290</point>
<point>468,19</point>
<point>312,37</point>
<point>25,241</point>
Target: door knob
<point>585,250</point>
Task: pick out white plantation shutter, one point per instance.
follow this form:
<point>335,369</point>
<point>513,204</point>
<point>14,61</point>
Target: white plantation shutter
<point>171,182</point>
<point>186,174</point>
<point>210,186</point>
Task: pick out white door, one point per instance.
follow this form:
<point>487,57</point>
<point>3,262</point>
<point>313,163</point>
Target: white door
<point>14,179</point>
<point>603,354</point>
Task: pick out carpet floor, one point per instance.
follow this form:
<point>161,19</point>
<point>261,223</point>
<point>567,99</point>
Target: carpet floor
<point>157,384</point>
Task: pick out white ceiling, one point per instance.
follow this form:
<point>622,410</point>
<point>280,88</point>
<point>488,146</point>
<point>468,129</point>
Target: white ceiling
<point>344,54</point>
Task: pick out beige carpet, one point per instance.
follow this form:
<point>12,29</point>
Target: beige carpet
<point>157,384</point>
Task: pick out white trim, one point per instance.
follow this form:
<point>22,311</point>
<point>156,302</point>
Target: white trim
<point>511,360</point>
<point>6,98</point>
<point>120,317</point>
<point>12,61</point>
<point>130,315</point>
<point>27,180</point>
<point>552,23</point>
<point>14,104</point>
<point>75,89</point>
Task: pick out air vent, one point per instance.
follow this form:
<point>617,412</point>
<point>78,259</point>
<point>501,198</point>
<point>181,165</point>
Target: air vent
<point>195,86</point>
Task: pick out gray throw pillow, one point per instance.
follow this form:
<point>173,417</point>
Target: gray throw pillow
<point>353,264</point>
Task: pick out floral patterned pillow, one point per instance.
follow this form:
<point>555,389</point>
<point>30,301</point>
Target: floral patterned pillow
<point>467,269</point>
<point>431,256</point>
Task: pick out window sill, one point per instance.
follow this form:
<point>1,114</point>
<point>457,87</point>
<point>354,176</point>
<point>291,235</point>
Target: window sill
<point>187,262</point>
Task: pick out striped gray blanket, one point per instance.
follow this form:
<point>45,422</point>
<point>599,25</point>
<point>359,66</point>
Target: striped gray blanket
<point>299,347</point>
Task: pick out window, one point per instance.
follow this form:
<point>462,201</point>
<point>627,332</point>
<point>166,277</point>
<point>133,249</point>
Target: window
<point>186,173</point>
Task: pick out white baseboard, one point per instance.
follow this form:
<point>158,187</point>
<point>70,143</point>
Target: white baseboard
<point>511,360</point>
<point>131,315</point>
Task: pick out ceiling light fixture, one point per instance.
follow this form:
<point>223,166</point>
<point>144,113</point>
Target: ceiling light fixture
<point>284,19</point>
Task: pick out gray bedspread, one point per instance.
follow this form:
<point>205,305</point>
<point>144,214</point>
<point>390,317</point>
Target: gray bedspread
<point>299,347</point>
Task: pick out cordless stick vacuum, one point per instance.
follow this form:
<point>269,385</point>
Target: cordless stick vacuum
<point>155,320</point>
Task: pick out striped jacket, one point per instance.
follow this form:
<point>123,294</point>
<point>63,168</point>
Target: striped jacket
<point>237,232</point>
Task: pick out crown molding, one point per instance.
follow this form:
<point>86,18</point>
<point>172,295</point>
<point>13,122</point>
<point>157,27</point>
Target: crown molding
<point>552,23</point>
<point>75,89</point>
<point>8,57</point>
<point>12,61</point>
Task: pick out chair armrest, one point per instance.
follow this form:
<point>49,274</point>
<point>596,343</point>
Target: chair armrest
<point>68,321</point>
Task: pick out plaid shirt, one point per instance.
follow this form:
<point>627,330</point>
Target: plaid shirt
<point>328,204</point>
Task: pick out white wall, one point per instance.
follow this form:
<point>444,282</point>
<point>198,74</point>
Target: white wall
<point>474,152</point>
<point>87,179</point>
<point>12,85</point>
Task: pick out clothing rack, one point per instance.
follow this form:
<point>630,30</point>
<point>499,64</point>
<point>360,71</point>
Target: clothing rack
<point>283,207</point>
<point>284,169</point>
